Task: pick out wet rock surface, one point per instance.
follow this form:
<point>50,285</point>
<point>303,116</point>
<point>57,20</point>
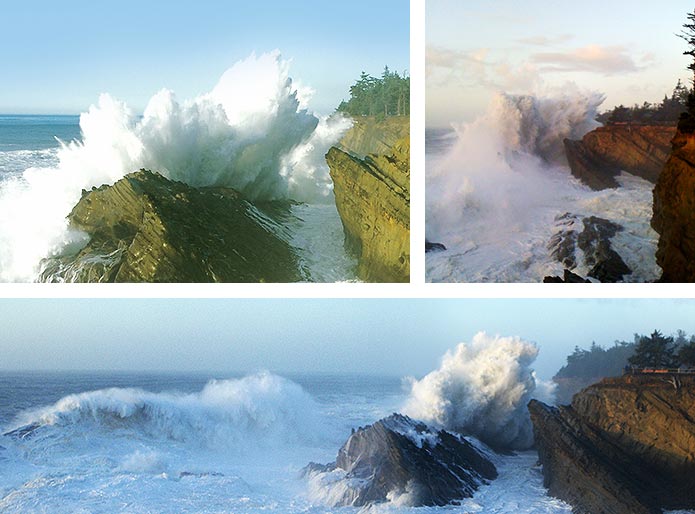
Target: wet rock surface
<point>147,228</point>
<point>398,458</point>
<point>587,241</point>
<point>624,446</point>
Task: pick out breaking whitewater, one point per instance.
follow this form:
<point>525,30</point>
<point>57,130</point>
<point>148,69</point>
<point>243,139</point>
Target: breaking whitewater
<point>497,189</point>
<point>253,132</point>
<point>184,443</point>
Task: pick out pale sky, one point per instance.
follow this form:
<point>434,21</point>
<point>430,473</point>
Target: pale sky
<point>626,49</point>
<point>396,337</point>
<point>57,57</point>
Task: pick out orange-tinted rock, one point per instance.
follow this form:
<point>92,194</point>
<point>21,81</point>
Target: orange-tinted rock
<point>604,152</point>
<point>625,446</point>
<point>674,212</point>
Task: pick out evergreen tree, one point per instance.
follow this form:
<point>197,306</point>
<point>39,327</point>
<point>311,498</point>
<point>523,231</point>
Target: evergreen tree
<point>655,351</point>
<point>388,95</point>
<point>688,35</point>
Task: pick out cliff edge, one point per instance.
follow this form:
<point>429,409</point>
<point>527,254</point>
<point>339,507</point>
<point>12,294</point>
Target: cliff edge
<point>372,195</point>
<point>603,153</point>
<point>624,446</point>
<point>674,212</point>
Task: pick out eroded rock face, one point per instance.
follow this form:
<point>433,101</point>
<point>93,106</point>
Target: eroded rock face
<point>600,156</point>
<point>372,196</point>
<point>370,136</point>
<point>674,212</point>
<point>588,239</point>
<point>402,460</point>
<point>146,228</point>
<point>625,446</point>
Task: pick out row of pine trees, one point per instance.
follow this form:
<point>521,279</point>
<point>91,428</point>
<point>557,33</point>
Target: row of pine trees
<point>388,95</point>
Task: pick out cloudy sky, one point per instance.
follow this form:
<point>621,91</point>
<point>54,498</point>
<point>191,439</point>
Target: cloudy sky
<point>395,337</point>
<point>57,57</point>
<point>625,49</point>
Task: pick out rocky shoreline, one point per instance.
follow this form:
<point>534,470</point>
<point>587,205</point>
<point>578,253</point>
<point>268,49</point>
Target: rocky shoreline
<point>148,228</point>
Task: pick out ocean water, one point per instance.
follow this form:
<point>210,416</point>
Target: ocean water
<point>496,185</point>
<point>263,141</point>
<point>136,442</point>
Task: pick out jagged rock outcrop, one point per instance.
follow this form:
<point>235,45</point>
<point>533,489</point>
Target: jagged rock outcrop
<point>146,228</point>
<point>372,196</point>
<point>674,212</point>
<point>606,151</point>
<point>590,242</point>
<point>369,135</point>
<point>567,278</point>
<point>397,458</point>
<point>624,446</point>
<point>434,247</point>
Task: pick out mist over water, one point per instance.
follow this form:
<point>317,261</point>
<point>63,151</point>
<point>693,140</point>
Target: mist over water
<point>252,132</point>
<point>481,389</point>
<point>494,190</point>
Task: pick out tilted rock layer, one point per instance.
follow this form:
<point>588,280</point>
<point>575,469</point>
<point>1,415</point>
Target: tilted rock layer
<point>604,152</point>
<point>674,212</point>
<point>397,457</point>
<point>625,445</point>
<point>146,228</point>
<point>372,195</point>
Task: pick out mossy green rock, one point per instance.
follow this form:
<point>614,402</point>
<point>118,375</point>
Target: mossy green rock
<point>373,199</point>
<point>146,228</point>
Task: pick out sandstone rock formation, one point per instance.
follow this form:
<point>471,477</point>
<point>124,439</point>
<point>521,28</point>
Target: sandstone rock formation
<point>398,458</point>
<point>146,228</point>
<point>625,445</point>
<point>371,136</point>
<point>606,151</point>
<point>674,212</point>
<point>372,195</point>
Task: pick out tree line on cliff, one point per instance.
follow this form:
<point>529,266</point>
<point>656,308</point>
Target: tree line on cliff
<point>644,351</point>
<point>388,95</point>
<point>668,111</point>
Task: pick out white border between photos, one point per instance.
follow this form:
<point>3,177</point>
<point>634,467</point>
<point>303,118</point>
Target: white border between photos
<point>416,289</point>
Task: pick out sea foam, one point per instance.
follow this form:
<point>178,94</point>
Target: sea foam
<point>257,410</point>
<point>252,132</point>
<point>493,196</point>
<point>481,389</point>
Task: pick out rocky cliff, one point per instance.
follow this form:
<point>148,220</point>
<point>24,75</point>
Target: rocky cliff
<point>372,195</point>
<point>674,212</point>
<point>624,446</point>
<point>146,228</point>
<point>402,460</point>
<point>369,135</point>
<point>606,151</point>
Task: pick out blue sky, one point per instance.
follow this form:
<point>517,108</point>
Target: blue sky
<point>382,336</point>
<point>626,49</point>
<point>57,57</point>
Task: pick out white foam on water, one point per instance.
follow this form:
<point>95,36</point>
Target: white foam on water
<point>251,132</point>
<point>492,199</point>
